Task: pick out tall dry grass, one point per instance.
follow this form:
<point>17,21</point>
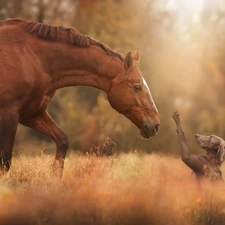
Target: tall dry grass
<point>128,189</point>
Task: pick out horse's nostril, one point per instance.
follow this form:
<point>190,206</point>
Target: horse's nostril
<point>157,127</point>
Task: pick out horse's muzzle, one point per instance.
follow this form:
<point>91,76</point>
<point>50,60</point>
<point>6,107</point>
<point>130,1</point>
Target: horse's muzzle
<point>149,129</point>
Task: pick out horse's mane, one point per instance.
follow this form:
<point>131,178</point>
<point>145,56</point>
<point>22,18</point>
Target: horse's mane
<point>52,32</point>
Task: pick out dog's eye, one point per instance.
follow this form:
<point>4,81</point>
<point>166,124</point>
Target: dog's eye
<point>137,88</point>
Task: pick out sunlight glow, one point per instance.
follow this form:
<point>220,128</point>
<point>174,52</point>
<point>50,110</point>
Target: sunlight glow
<point>185,5</point>
<point>192,3</point>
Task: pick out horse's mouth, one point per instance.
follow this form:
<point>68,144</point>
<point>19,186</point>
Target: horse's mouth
<point>144,133</point>
<point>147,130</point>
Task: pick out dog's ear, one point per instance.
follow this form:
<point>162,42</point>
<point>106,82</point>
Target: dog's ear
<point>220,152</point>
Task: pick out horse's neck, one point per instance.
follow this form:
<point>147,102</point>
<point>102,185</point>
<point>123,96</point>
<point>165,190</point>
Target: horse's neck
<point>89,66</point>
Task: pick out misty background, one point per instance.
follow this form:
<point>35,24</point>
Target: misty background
<point>182,50</point>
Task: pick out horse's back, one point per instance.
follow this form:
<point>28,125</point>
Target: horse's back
<point>12,53</point>
<point>11,35</point>
<point>21,77</point>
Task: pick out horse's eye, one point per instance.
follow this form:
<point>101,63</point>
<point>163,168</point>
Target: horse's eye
<point>137,88</point>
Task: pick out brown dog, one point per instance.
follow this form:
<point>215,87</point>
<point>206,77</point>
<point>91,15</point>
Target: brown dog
<point>206,166</point>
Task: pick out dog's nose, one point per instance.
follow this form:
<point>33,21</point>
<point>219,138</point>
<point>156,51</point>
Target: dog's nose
<point>197,136</point>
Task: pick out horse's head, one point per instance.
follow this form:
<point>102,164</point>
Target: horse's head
<point>130,95</point>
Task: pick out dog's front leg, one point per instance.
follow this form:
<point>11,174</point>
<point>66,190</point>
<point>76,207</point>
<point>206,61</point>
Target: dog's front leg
<point>184,148</point>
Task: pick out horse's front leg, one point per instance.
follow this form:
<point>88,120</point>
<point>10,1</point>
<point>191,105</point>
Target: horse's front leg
<point>44,124</point>
<point>8,126</point>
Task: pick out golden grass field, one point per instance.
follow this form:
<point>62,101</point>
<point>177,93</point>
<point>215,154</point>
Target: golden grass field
<point>129,189</point>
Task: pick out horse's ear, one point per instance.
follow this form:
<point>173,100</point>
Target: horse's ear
<point>136,55</point>
<point>128,61</point>
<point>220,152</point>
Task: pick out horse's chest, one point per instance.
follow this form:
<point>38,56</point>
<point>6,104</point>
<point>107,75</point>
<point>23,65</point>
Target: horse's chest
<point>44,102</point>
<point>35,103</point>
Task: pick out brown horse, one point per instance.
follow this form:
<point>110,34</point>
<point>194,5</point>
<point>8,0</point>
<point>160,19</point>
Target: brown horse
<point>37,59</point>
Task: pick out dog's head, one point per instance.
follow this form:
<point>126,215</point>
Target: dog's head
<point>212,144</point>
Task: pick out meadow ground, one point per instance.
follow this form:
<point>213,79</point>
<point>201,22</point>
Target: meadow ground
<point>130,189</point>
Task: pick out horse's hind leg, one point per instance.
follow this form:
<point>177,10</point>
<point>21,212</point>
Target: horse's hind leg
<point>44,124</point>
<point>8,126</point>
